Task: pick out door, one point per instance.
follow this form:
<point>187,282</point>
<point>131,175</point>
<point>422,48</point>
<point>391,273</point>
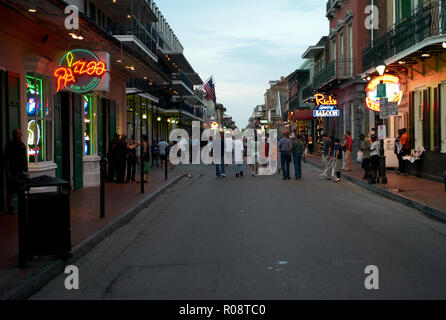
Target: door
<point>418,118</point>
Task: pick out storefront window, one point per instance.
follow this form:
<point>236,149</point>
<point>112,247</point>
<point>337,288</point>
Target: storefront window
<point>39,117</point>
<point>90,125</point>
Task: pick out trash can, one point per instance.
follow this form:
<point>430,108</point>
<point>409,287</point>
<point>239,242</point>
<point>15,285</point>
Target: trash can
<point>45,231</point>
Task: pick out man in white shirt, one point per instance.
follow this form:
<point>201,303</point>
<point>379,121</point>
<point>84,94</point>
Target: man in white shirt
<point>163,146</point>
<point>374,153</point>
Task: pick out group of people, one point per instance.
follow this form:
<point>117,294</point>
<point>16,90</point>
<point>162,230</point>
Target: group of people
<point>291,150</point>
<point>122,157</point>
<point>336,156</point>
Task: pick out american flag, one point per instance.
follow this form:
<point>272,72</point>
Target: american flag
<point>209,87</point>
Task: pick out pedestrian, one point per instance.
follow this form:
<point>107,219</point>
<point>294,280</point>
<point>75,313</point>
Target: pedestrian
<point>405,150</point>
<point>121,159</point>
<point>16,162</point>
<point>297,150</point>
<point>255,166</point>
<point>365,149</point>
<point>145,156</point>
<point>163,146</point>
<point>238,156</point>
<point>131,159</point>
<point>374,160</point>
<point>155,151</point>
<point>219,156</point>
<point>337,155</point>
<point>112,158</point>
<point>285,155</point>
<point>398,150</point>
<point>347,148</point>
<point>310,144</point>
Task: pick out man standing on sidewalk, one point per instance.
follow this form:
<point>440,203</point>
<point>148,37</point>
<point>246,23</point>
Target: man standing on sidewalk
<point>326,148</point>
<point>285,155</point>
<point>404,140</point>
<point>163,147</point>
<point>348,147</point>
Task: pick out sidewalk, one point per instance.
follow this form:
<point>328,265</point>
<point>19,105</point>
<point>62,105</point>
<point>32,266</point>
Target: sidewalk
<point>422,194</point>
<point>85,222</point>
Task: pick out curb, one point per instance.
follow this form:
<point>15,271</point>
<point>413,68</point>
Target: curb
<point>43,275</point>
<point>426,210</point>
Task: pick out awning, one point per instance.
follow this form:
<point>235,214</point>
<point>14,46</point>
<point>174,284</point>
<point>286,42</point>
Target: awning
<point>300,115</point>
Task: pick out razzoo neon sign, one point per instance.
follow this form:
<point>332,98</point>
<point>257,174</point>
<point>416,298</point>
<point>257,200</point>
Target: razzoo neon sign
<point>80,71</point>
<point>326,107</point>
<point>393,89</point>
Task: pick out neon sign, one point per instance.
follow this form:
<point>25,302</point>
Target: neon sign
<point>393,89</point>
<point>79,71</point>
<point>326,107</point>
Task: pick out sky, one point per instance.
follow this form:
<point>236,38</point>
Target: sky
<point>245,43</point>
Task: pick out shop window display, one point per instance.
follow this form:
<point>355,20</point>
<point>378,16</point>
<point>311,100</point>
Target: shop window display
<point>39,118</point>
<point>90,125</point>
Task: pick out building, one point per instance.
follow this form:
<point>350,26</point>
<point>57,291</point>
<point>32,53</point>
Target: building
<point>70,91</point>
<point>411,44</point>
<point>276,103</point>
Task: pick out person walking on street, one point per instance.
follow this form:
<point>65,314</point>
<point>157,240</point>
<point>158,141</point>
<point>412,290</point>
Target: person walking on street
<point>16,162</point>
<point>219,144</point>
<point>163,146</point>
<point>131,159</point>
<point>285,155</point>
<point>365,149</point>
<point>337,155</point>
<point>347,147</point>
<point>374,153</point>
<point>237,146</point>
<point>155,151</point>
<point>298,150</point>
<point>121,159</point>
<point>145,155</point>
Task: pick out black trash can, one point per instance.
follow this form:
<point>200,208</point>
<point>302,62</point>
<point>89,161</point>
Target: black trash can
<point>45,231</point>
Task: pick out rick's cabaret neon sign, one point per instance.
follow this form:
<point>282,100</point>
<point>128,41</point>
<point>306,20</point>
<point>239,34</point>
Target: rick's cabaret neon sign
<point>326,107</point>
<point>393,90</point>
<point>79,71</point>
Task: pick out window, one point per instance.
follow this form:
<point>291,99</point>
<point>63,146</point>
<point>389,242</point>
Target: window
<point>89,107</point>
<point>333,54</point>
<point>39,118</point>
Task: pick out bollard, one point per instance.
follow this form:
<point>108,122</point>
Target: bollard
<point>103,166</point>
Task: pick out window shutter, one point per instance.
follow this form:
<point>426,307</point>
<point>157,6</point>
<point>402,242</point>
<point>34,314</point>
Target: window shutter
<point>437,119</point>
<point>100,125</point>
<point>411,130</point>
<point>426,119</point>
<point>112,120</point>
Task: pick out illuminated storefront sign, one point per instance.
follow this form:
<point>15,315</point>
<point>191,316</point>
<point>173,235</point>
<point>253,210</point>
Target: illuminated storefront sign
<point>215,126</point>
<point>393,90</point>
<point>80,71</point>
<point>326,107</point>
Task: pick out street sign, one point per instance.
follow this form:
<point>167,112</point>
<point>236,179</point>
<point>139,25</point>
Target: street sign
<point>381,91</point>
<point>382,132</point>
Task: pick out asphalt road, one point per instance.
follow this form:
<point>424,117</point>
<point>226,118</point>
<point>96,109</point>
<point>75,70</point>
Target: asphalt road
<point>264,238</point>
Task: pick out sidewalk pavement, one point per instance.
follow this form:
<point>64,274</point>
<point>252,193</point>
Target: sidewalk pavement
<point>427,196</point>
<point>123,202</point>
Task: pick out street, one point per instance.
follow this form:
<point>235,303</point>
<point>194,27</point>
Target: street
<point>264,238</point>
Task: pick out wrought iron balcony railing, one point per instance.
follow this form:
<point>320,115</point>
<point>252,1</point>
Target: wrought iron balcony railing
<point>137,29</point>
<point>335,70</point>
<point>308,92</point>
<point>426,22</point>
<point>182,77</point>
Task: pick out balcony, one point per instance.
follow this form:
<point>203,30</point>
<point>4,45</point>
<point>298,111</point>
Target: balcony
<point>136,34</point>
<point>342,69</point>
<point>427,22</point>
<point>308,92</point>
<point>182,84</point>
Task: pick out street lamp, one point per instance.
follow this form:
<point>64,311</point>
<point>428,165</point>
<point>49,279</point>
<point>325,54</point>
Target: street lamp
<point>381,68</point>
